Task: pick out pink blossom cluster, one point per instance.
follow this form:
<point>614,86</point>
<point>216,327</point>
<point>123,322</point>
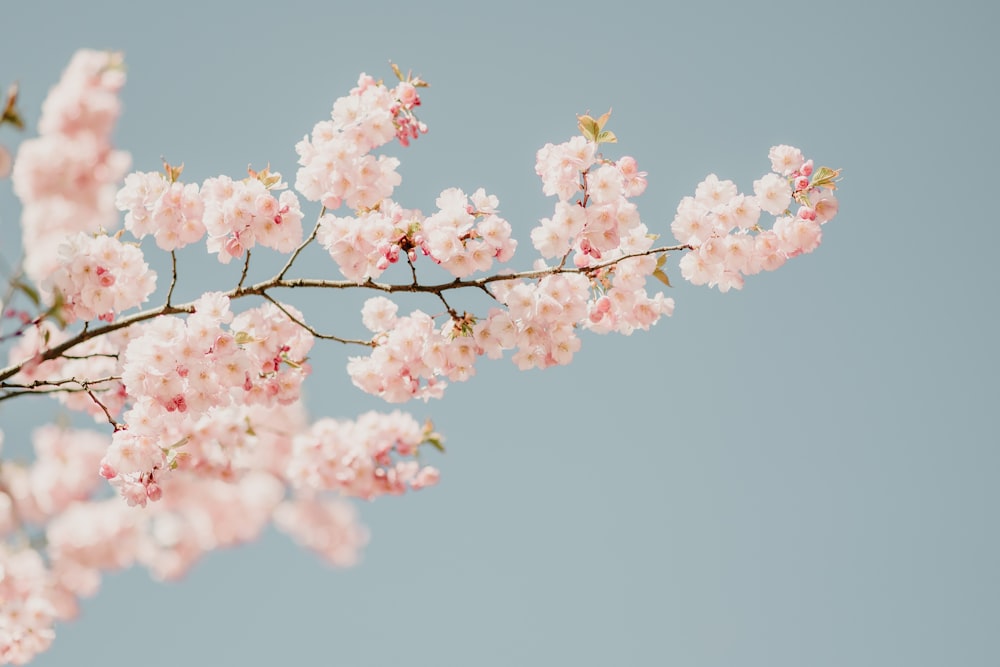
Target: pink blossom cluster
<point>171,212</point>
<point>67,176</point>
<point>724,226</point>
<point>178,370</point>
<point>410,356</point>
<point>365,245</point>
<point>32,596</point>
<point>85,536</point>
<point>236,215</point>
<point>327,526</point>
<point>465,235</point>
<point>359,458</point>
<point>99,277</point>
<point>240,214</point>
<point>27,614</point>
<point>595,220</point>
<point>593,212</point>
<point>336,162</point>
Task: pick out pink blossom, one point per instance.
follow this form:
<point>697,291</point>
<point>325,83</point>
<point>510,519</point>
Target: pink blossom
<point>785,160</point>
<point>774,194</point>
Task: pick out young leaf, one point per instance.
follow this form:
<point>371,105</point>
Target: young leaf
<point>826,178</point>
<point>588,127</point>
<point>662,277</point>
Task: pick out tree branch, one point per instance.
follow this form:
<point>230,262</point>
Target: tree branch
<point>277,281</point>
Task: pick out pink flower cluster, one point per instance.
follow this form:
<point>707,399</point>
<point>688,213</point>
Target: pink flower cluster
<point>336,162</point>
<point>33,596</point>
<point>99,276</point>
<point>27,614</point>
<point>356,458</point>
<point>171,212</point>
<point>236,215</point>
<point>593,212</point>
<point>179,370</point>
<point>723,224</point>
<point>464,236</point>
<point>365,245</point>
<point>410,355</point>
<point>329,527</point>
<point>66,177</point>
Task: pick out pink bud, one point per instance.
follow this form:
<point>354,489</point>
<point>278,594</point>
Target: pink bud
<point>807,168</point>
<point>153,491</point>
<point>105,277</point>
<point>807,213</point>
<point>107,472</point>
<point>801,183</point>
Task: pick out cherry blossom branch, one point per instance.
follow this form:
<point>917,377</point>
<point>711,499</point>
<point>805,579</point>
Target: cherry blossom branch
<point>277,281</point>
<point>39,387</point>
<point>452,285</point>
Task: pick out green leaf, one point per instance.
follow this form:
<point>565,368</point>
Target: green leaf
<point>607,137</point>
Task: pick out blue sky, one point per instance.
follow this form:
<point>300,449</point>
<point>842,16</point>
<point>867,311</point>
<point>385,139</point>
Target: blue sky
<point>801,473</point>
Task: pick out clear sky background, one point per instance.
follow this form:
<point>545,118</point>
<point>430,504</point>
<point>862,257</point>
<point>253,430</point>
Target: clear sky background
<point>801,473</point>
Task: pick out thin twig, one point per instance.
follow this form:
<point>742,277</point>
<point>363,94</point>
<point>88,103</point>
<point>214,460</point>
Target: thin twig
<point>173,276</point>
<point>246,267</point>
<point>58,383</point>
<point>107,413</point>
<point>295,255</point>
<point>366,343</point>
<point>42,387</point>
